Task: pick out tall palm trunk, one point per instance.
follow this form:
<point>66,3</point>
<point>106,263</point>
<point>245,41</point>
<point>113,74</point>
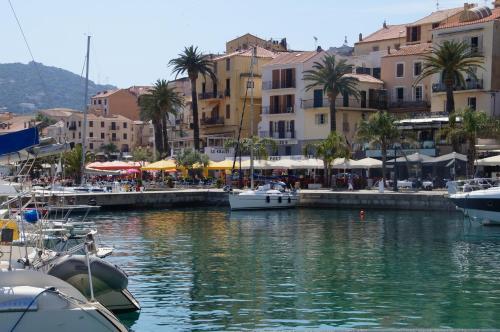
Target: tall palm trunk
<point>333,112</point>
<point>196,125</point>
<point>164,124</point>
<point>325,174</point>
<point>158,137</point>
<point>450,99</point>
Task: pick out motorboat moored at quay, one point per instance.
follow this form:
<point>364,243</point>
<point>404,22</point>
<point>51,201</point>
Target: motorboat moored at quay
<point>265,197</point>
<point>481,205</point>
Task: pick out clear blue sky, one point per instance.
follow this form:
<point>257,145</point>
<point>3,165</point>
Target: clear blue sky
<point>132,41</point>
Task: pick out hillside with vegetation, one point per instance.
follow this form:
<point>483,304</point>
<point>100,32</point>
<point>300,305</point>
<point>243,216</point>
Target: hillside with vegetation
<point>24,89</point>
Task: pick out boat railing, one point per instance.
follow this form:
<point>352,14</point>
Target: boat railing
<point>471,185</point>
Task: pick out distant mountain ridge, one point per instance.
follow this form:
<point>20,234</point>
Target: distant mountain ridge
<point>22,90</point>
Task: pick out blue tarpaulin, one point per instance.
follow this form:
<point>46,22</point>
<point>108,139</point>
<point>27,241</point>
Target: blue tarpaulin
<point>16,141</point>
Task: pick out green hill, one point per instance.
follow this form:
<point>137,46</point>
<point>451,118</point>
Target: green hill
<point>22,90</point>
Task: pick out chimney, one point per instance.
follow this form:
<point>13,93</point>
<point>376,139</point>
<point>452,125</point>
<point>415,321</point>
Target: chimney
<point>385,25</point>
<point>319,49</point>
<point>360,37</point>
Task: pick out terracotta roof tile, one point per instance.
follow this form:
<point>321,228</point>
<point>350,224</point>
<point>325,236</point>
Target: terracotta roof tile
<point>438,16</point>
<point>293,57</point>
<point>261,53</point>
<point>456,22</point>
<point>412,50</point>
<point>106,93</point>
<point>390,32</point>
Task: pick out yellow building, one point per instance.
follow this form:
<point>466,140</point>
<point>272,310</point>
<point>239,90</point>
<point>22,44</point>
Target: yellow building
<point>221,102</point>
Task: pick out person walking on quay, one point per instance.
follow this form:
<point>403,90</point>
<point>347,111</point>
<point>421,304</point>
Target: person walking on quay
<point>350,185</point>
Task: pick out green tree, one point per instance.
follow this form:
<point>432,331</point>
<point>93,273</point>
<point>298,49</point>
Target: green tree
<point>150,111</point>
<point>142,154</point>
<point>331,76</point>
<point>72,161</point>
<point>451,60</point>
<point>334,146</point>
<point>472,125</point>
<point>109,148</point>
<point>44,120</point>
<point>193,63</point>
<point>261,146</point>
<point>380,129</point>
<point>168,102</point>
<point>189,159</point>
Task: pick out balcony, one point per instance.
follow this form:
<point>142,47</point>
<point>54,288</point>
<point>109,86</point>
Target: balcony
<point>411,105</point>
<point>115,139</point>
<point>114,127</point>
<point>278,110</point>
<point>469,85</point>
<point>273,85</point>
<point>344,103</point>
<point>72,127</point>
<point>210,95</point>
<point>212,121</point>
<point>290,134</point>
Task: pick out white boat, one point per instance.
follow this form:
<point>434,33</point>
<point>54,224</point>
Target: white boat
<point>34,301</point>
<point>265,197</point>
<point>482,205</point>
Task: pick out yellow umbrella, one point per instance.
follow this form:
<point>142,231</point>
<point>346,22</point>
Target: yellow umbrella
<point>160,165</point>
<point>224,164</point>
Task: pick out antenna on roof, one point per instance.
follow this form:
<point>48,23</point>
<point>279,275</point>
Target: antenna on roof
<point>345,40</point>
<point>315,42</point>
<point>437,4</point>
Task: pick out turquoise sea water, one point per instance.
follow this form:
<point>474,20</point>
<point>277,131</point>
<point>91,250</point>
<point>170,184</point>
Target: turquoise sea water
<point>215,270</point>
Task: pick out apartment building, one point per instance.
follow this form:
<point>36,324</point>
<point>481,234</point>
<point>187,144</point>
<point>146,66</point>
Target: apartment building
<point>400,72</point>
<point>480,28</point>
<point>295,117</point>
<point>119,102</point>
<point>181,125</point>
<point>222,102</point>
<point>101,130</point>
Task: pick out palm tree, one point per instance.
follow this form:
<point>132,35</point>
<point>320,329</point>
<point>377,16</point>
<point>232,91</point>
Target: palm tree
<point>109,148</point>
<point>193,63</point>
<point>473,125</point>
<point>150,112</point>
<point>73,162</point>
<point>261,146</point>
<point>334,146</point>
<point>168,101</point>
<point>451,60</point>
<point>380,129</point>
<point>331,76</point>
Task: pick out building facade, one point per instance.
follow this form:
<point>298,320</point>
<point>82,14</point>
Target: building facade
<point>119,102</point>
<point>294,116</point>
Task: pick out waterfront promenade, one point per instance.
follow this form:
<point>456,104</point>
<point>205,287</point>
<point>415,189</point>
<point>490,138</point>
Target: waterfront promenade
<point>363,199</point>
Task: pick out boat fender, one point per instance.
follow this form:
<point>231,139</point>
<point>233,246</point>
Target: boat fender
<point>268,199</point>
<point>70,266</point>
<point>92,201</point>
<point>280,199</point>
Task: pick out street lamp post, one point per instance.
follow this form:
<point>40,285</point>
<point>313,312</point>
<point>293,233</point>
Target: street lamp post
<point>395,184</point>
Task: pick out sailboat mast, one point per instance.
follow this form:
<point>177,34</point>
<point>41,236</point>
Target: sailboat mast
<point>84,132</point>
<point>251,82</point>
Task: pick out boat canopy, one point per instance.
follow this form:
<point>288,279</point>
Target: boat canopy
<point>19,140</point>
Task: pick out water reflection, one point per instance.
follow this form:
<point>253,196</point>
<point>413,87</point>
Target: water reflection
<point>216,270</point>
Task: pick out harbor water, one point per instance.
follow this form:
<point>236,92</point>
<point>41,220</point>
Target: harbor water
<point>199,269</point>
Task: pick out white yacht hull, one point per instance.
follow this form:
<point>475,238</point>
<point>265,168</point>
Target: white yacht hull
<point>480,205</point>
<point>263,201</point>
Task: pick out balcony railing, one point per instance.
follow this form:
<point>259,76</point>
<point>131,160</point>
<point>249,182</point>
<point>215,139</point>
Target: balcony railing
<point>271,85</point>
<point>72,127</point>
<point>278,134</point>
<point>341,103</point>
<point>212,121</point>
<point>278,110</point>
<point>469,85</point>
<point>409,104</point>
<point>210,95</point>
<point>114,127</point>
